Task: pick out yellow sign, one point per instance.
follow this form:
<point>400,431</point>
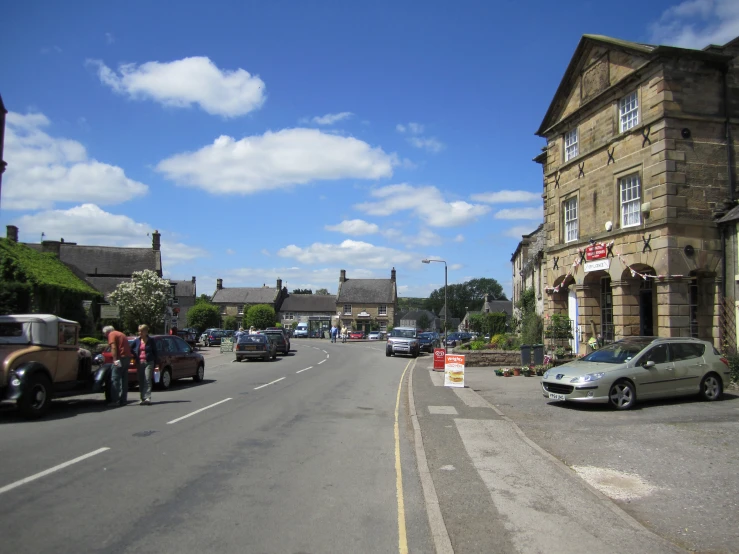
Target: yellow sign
<point>454,370</point>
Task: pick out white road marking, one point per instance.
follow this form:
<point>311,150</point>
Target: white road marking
<point>44,473</point>
<point>197,411</point>
<point>306,369</point>
<point>324,351</point>
<point>319,363</point>
<point>268,384</point>
<point>328,356</point>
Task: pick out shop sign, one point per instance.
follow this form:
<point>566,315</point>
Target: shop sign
<point>439,354</point>
<point>108,311</point>
<point>598,265</point>
<point>596,251</point>
<point>363,314</point>
<point>454,370</point>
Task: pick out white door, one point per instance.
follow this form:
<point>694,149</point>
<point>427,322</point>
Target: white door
<point>572,314</point>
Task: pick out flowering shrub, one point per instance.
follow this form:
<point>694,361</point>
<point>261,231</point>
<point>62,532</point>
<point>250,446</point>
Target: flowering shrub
<point>143,299</point>
<point>505,342</point>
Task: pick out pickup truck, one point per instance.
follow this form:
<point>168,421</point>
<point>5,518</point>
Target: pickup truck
<point>40,358</point>
<point>403,340</point>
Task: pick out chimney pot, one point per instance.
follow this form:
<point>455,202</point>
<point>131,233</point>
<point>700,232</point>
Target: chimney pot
<point>392,275</point>
<point>193,278</point>
<point>342,276</point>
<point>219,284</point>
<point>12,233</point>
<point>156,242</point>
<point>279,284</point>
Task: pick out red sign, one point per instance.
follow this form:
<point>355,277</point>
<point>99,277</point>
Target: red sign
<point>595,252</point>
<point>439,354</point>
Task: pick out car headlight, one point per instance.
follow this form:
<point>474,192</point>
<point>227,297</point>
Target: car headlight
<point>588,378</point>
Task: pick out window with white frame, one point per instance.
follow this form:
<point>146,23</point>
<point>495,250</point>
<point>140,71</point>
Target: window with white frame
<point>383,327</point>
<point>628,111</point>
<point>570,211</point>
<point>382,310</point>
<point>241,310</point>
<point>630,192</point>
<point>347,309</point>
<point>571,146</point>
<point>289,316</point>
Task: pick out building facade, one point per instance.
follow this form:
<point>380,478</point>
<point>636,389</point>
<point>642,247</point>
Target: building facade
<point>366,304</point>
<point>318,310</point>
<point>640,163</point>
<point>528,268</point>
<point>236,301</point>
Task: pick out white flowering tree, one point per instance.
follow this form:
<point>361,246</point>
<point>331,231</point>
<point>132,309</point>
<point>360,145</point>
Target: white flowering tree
<point>143,299</point>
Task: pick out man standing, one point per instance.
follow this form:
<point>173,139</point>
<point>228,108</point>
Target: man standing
<point>121,352</point>
<point>333,333</point>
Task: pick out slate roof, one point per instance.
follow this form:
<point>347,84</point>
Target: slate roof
<point>497,306</point>
<point>106,285</point>
<point>415,315</point>
<point>110,260</point>
<point>366,291</point>
<point>247,295</point>
<point>309,303</point>
<point>733,215</point>
<point>184,288</point>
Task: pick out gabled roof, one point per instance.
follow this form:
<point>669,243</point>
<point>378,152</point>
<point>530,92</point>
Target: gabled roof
<point>368,291</point>
<point>106,285</point>
<point>110,260</point>
<point>245,295</point>
<point>586,41</point>
<point>304,303</point>
<point>497,306</point>
<point>183,288</point>
<point>415,315</point>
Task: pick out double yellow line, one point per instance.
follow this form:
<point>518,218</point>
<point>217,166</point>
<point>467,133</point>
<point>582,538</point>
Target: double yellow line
<point>402,537</point>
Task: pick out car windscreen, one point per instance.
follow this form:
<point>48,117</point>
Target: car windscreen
<point>404,333</point>
<point>616,353</point>
<point>426,335</point>
<point>252,339</point>
<point>276,334</point>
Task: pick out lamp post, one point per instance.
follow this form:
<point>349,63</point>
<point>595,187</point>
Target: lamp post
<point>3,111</point>
<point>446,308</point>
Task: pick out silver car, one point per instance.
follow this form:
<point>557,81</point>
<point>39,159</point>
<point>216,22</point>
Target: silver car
<point>640,368</point>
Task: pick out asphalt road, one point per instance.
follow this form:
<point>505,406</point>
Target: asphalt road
<point>295,455</point>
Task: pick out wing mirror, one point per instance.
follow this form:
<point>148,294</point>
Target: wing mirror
<point>648,365</point>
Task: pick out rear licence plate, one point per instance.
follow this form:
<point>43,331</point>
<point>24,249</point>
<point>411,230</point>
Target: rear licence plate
<point>250,348</point>
<point>555,396</point>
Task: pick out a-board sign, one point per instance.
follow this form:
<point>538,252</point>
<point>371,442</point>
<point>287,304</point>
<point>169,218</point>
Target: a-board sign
<point>454,370</point>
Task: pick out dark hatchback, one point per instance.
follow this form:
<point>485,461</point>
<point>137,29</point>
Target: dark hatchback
<point>255,346</point>
<point>429,341</point>
<point>278,336</point>
<point>453,339</point>
<point>214,338</point>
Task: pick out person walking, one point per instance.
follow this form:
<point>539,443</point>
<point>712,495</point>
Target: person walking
<point>144,350</point>
<point>121,352</point>
<point>333,333</point>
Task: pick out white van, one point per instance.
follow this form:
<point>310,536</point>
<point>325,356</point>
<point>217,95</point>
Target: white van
<point>301,330</point>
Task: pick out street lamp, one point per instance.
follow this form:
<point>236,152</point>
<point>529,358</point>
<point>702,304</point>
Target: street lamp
<point>3,112</point>
<point>446,308</point>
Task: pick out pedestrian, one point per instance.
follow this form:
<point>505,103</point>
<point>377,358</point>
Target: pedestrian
<point>144,350</point>
<point>252,330</point>
<point>237,334</point>
<point>121,352</point>
<point>334,330</point>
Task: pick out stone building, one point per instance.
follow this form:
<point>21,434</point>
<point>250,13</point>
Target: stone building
<point>236,301</point>
<point>528,268</point>
<point>365,304</point>
<point>318,310</point>
<point>640,163</point>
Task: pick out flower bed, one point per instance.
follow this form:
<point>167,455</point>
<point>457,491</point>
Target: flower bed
<point>489,358</point>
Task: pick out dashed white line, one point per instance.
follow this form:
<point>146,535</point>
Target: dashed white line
<point>44,473</point>
<point>319,363</point>
<point>306,369</point>
<point>324,351</point>
<point>197,411</point>
<point>268,384</point>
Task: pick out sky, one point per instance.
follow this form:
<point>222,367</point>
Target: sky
<point>293,139</point>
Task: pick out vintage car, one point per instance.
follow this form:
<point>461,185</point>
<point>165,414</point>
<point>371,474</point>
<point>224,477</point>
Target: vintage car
<point>41,359</point>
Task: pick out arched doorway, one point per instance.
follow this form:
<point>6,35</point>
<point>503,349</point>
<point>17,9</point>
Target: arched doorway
<point>572,313</point>
<point>638,291</point>
<point>599,295</point>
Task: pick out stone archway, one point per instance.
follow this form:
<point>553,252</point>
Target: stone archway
<point>638,301</point>
<point>598,298</point>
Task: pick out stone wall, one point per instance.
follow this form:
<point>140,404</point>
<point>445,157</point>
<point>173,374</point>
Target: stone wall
<point>484,358</point>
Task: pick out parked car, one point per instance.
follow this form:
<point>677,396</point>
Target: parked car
<point>454,339</point>
<point>640,368</point>
<point>428,341</point>
<point>301,331</point>
<point>40,358</point>
<point>175,360</point>
<point>205,334</point>
<point>284,334</point>
<point>377,335</point>
<point>214,338</point>
<point>356,335</point>
<point>189,335</point>
<point>403,340</point>
<point>255,346</point>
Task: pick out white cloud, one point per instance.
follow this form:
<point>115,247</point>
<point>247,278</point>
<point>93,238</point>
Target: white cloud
<point>424,237</point>
<point>697,23</point>
<point>331,118</point>
<point>412,128</point>
<point>518,231</point>
<point>456,267</point>
<point>185,82</point>
<point>354,227</point>
<point>43,170</point>
<point>277,160</point>
<point>347,253</point>
<point>230,252</point>
<point>520,213</point>
<point>427,203</point>
<point>507,197</point>
<point>88,224</point>
<point>427,143</point>
<point>459,238</point>
<point>265,252</point>
<point>109,38</point>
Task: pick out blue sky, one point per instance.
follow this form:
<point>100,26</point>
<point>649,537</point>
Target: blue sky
<point>293,139</point>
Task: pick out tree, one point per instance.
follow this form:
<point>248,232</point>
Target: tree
<point>323,292</point>
<point>461,297</point>
<point>143,299</point>
<point>423,322</point>
<point>203,299</point>
<point>302,291</point>
<point>229,322</point>
<point>203,316</point>
<point>261,316</point>
<point>532,326</point>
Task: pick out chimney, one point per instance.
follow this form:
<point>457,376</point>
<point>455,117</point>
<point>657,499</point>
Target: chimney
<point>193,279</point>
<point>219,284</point>
<point>12,233</point>
<point>342,276</point>
<point>156,242</point>
<point>392,275</point>
<point>279,284</point>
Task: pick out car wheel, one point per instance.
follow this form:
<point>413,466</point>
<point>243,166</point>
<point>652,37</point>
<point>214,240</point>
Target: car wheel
<point>711,387</point>
<point>274,356</point>
<point>286,351</point>
<point>35,401</point>
<point>388,353</point>
<point>622,395</point>
<point>199,374</point>
<point>414,354</point>
<point>165,379</point>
